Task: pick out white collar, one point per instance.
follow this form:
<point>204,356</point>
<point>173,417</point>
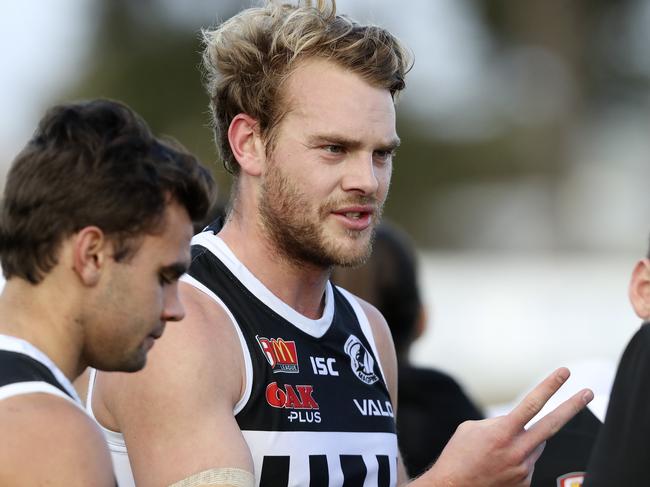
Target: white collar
<point>315,328</point>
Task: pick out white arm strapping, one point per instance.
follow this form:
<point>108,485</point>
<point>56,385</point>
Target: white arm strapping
<point>231,477</point>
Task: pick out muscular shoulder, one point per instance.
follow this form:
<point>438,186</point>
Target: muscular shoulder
<point>380,329</point>
<point>181,403</point>
<point>49,440</point>
<point>186,362</point>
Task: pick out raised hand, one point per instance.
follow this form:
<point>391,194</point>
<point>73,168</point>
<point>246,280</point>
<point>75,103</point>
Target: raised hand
<point>500,451</point>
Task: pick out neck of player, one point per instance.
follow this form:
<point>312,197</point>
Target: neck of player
<point>299,285</point>
<point>44,317</point>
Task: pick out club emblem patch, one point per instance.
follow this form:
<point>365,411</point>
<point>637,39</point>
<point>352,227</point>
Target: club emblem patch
<point>361,362</point>
<point>280,354</point>
<point>573,479</point>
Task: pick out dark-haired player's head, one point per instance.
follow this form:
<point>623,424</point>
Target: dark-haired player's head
<point>389,281</point>
<point>98,207</point>
<point>93,163</point>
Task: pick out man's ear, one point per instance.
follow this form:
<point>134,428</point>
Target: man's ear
<point>639,290</point>
<point>246,144</point>
<point>90,251</point>
<point>421,322</point>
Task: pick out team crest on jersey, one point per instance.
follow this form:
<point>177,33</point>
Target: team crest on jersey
<point>573,479</point>
<point>362,363</point>
<point>280,354</point>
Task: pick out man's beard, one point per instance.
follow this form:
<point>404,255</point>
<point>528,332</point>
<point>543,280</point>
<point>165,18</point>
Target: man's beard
<point>301,236</point>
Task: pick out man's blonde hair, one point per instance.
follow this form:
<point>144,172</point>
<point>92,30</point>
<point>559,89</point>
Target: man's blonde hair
<point>248,57</point>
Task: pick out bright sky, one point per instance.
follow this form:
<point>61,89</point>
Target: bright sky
<point>41,42</point>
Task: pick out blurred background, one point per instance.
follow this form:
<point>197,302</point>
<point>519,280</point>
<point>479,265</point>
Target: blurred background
<point>522,175</point>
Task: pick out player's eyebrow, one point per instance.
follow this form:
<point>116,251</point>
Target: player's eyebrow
<point>391,145</point>
<point>350,143</point>
<point>175,270</point>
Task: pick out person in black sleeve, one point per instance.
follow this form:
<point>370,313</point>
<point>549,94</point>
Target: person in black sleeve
<point>431,403</point>
<point>564,460</point>
<point>95,228</point>
<point>621,455</point>
<point>566,455</point>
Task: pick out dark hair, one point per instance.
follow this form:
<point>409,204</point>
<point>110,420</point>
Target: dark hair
<point>389,281</point>
<point>93,163</point>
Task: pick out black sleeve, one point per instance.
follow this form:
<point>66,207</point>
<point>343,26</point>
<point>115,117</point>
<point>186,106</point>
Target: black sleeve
<point>566,454</point>
<point>621,455</point>
<point>431,406</point>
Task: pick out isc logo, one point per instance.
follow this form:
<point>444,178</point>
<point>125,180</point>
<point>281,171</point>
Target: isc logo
<point>323,366</point>
<point>280,354</point>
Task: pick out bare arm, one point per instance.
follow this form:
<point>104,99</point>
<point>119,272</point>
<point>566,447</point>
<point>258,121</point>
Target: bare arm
<point>176,415</point>
<point>492,452</point>
<point>47,440</point>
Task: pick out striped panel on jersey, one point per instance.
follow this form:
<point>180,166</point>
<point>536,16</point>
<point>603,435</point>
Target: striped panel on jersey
<point>306,465</point>
<point>275,471</point>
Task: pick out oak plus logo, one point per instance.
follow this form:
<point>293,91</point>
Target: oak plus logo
<point>299,399</point>
<point>361,361</point>
<point>280,354</point>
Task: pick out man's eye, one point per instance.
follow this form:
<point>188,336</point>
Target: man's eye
<point>384,155</point>
<point>334,149</point>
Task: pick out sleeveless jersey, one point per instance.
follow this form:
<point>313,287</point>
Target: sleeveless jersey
<point>24,369</point>
<point>316,409</point>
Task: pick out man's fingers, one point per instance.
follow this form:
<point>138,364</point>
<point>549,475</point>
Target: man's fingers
<point>537,452</point>
<point>531,460</point>
<point>535,399</point>
<point>553,421</point>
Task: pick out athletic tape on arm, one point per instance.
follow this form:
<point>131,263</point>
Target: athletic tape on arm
<point>232,477</point>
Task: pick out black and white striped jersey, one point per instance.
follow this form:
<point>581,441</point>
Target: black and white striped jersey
<point>24,369</point>
<point>316,410</point>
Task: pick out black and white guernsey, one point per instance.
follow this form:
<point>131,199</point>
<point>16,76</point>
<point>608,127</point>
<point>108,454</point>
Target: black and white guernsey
<point>316,410</point>
<point>24,369</point>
